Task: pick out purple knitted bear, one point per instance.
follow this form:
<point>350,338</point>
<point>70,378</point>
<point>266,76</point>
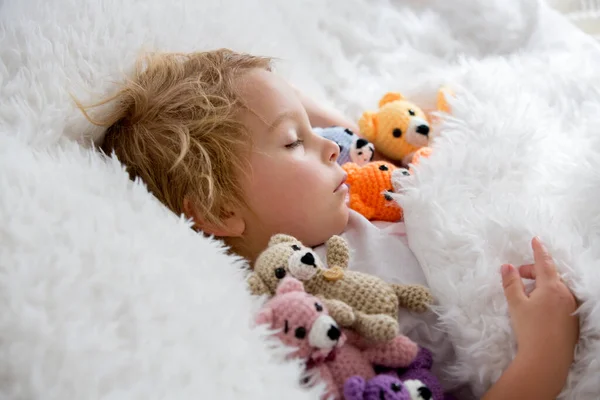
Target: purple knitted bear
<point>414,383</point>
<point>381,387</point>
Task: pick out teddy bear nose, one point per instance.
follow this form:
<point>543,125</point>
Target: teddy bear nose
<point>308,259</point>
<point>425,393</point>
<point>423,129</point>
<point>334,332</point>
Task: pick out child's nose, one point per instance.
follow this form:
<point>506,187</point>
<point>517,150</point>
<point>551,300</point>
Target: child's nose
<point>332,150</point>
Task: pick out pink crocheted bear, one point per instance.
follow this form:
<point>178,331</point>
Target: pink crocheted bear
<point>301,321</point>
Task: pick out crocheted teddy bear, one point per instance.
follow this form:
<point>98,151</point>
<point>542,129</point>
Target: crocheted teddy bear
<point>352,147</point>
<point>359,301</point>
<point>442,106</point>
<point>397,129</point>
<point>381,387</point>
<point>420,381</point>
<point>416,382</point>
<point>302,322</point>
<point>370,188</point>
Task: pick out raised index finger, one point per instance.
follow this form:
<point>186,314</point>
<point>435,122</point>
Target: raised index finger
<point>545,269</point>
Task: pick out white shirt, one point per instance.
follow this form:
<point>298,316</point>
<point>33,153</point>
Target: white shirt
<point>381,249</point>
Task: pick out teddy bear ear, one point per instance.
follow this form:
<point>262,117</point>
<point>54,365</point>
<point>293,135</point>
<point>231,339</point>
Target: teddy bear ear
<point>442,99</point>
<point>289,285</point>
<point>265,316</point>
<point>389,97</point>
<point>281,238</point>
<point>367,125</point>
<point>354,388</point>
<point>338,252</point>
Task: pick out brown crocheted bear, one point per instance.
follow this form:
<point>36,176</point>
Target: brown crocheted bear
<point>355,300</point>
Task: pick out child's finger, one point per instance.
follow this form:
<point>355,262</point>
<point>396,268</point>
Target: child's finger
<point>527,271</point>
<point>514,290</point>
<point>545,269</point>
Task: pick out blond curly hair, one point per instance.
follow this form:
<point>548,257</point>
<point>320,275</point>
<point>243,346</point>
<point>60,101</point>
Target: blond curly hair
<point>174,126</point>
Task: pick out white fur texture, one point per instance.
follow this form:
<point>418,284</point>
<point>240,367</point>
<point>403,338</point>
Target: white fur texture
<point>519,157</point>
<point>104,294</point>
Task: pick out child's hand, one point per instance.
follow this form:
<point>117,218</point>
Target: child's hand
<point>544,324</point>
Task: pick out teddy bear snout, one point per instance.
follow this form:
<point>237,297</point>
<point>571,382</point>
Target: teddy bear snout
<point>418,132</point>
<point>334,332</point>
<point>418,389</point>
<point>423,129</point>
<point>325,333</point>
<point>303,265</point>
<point>308,259</point>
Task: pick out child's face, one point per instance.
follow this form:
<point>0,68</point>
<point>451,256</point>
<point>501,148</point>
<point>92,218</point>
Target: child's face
<point>295,185</point>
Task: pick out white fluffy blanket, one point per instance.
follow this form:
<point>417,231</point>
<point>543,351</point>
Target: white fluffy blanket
<point>105,294</point>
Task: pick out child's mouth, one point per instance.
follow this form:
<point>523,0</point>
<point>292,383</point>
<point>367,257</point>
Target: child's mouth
<point>342,184</point>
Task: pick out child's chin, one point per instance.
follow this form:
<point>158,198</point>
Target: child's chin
<point>342,221</point>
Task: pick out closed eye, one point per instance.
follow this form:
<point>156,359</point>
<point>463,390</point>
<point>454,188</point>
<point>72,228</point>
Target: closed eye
<point>294,144</point>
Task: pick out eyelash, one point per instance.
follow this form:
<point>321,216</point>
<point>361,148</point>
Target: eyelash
<point>295,144</point>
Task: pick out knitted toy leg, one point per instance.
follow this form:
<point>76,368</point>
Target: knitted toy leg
<point>375,327</point>
<point>396,353</point>
<point>413,297</point>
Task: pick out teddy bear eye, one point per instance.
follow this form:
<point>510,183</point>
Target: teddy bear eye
<point>387,196</point>
<point>318,307</point>
<point>396,387</point>
<point>411,112</point>
<point>397,132</point>
<point>300,333</point>
<point>383,167</point>
<point>295,247</point>
<point>280,273</point>
<point>286,327</point>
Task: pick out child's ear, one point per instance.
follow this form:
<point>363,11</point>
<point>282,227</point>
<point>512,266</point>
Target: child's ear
<point>232,223</point>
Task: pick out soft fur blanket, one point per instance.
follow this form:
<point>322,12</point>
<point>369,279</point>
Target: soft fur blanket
<point>105,294</point>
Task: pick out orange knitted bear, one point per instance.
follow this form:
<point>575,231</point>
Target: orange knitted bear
<point>370,186</point>
<point>442,106</point>
<point>397,129</point>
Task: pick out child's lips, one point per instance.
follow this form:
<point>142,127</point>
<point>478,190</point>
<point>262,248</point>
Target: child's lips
<point>342,184</point>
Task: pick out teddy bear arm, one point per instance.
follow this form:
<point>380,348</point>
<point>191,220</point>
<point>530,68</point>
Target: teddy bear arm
<point>413,297</point>
<point>341,312</point>
<point>396,353</point>
<point>257,286</point>
<point>375,327</point>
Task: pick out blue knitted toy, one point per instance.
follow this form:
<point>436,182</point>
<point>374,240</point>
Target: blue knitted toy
<point>353,148</point>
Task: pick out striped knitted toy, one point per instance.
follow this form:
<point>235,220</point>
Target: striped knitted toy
<point>370,188</point>
<point>353,148</point>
